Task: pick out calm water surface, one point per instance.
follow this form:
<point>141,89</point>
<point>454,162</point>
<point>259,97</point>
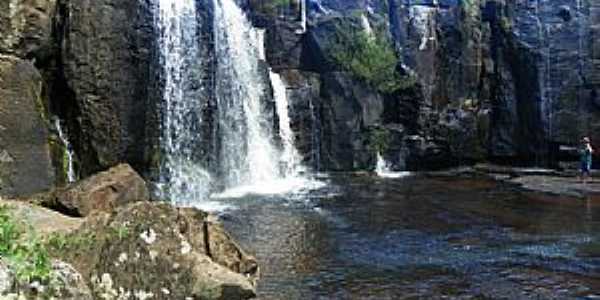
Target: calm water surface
<point>420,238</point>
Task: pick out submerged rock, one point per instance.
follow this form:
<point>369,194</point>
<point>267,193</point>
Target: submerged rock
<point>156,251</point>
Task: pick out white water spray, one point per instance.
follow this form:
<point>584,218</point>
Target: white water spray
<point>383,169</point>
<point>183,180</point>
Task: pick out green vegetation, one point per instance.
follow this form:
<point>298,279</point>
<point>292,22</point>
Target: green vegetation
<point>22,250</point>
<point>271,6</point>
<point>370,58</point>
<point>379,140</point>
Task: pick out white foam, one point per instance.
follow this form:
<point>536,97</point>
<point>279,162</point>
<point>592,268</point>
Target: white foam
<point>212,206</point>
<point>285,186</point>
<point>383,169</point>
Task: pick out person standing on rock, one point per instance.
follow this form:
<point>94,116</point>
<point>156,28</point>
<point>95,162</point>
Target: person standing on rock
<point>586,159</point>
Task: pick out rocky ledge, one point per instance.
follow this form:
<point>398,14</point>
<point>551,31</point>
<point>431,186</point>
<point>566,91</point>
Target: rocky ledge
<point>125,247</point>
<point>565,183</point>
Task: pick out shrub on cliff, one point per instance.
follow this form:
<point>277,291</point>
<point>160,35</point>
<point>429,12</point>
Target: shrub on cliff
<point>369,57</point>
<point>271,7</point>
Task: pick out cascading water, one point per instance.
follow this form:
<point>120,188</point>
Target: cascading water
<point>303,19</point>
<point>250,162</point>
<point>182,179</point>
<point>69,154</point>
<point>247,160</point>
<point>247,156</point>
<point>291,162</point>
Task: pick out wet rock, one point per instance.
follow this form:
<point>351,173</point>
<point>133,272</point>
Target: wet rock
<point>26,28</point>
<point>155,249</point>
<point>564,186</point>
<point>104,191</point>
<point>25,164</point>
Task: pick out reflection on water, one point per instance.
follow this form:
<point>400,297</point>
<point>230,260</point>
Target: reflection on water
<point>420,238</point>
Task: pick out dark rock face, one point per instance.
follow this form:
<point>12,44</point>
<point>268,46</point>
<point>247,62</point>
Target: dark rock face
<point>108,52</point>
<point>25,164</point>
<point>348,109</point>
<point>506,81</point>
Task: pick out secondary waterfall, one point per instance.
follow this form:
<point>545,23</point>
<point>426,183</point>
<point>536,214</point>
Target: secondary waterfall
<point>182,179</point>
<point>291,162</point>
<point>69,154</point>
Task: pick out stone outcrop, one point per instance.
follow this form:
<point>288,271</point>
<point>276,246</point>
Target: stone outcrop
<point>104,191</point>
<point>156,249</point>
<point>107,58</point>
<point>25,164</point>
<point>26,28</point>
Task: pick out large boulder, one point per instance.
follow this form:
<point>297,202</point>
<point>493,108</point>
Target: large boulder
<point>104,191</point>
<point>156,250</point>
<point>25,163</point>
<point>26,27</point>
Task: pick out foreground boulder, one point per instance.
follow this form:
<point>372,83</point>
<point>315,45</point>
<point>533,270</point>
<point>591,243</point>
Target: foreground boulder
<point>155,251</point>
<point>104,191</point>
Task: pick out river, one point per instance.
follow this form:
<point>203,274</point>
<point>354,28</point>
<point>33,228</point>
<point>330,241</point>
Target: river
<point>364,237</point>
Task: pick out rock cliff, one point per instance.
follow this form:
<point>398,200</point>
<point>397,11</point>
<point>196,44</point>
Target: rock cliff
<point>503,81</point>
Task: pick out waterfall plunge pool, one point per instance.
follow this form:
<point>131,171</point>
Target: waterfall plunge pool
<point>365,237</point>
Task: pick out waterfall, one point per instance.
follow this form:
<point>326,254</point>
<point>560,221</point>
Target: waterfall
<point>383,169</point>
<point>69,154</point>
<point>182,179</point>
<point>290,158</point>
<point>246,158</point>
<point>303,21</point>
<point>247,155</point>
